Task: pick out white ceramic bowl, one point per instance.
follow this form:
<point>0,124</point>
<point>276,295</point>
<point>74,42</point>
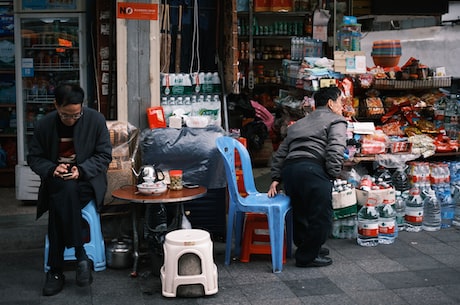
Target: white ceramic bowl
<point>152,188</point>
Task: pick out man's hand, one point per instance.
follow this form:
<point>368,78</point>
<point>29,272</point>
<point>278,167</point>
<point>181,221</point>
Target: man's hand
<point>273,190</point>
<point>66,172</point>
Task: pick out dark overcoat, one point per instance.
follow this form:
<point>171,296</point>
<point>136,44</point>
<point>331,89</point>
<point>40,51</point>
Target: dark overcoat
<point>92,147</point>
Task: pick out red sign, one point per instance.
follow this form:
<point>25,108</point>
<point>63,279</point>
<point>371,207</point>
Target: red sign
<point>141,11</point>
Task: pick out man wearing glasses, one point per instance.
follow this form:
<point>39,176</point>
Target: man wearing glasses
<point>70,151</point>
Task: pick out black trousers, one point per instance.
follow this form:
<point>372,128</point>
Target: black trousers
<point>67,198</point>
<point>310,190</point>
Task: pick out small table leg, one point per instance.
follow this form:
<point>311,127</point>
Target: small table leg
<point>135,240</point>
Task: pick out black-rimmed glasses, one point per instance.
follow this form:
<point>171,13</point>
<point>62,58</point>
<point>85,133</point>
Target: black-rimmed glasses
<point>70,116</point>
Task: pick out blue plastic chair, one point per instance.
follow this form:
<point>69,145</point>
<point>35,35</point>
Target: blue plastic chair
<point>95,247</point>
<point>276,208</point>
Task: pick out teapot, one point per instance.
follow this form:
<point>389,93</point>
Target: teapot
<point>149,174</point>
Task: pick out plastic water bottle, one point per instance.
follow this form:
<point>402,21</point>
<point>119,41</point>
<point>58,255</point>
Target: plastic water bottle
<point>214,110</point>
<point>400,180</point>
<point>387,223</point>
<point>431,212</point>
<point>195,109</point>
<point>414,211</point>
<point>454,170</point>
<point>456,198</point>
<point>368,224</point>
<point>444,196</point>
<point>383,174</point>
<point>400,208</point>
<point>216,83</point>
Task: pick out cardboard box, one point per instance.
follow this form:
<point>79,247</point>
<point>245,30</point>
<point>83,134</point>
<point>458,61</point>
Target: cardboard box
<point>349,62</point>
<point>262,5</point>
<point>379,195</point>
<point>281,5</point>
<point>343,199</point>
<point>345,212</point>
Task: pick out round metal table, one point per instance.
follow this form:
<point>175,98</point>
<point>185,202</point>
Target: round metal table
<point>131,194</point>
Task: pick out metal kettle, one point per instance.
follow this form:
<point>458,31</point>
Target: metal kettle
<point>149,173</point>
<point>119,253</point>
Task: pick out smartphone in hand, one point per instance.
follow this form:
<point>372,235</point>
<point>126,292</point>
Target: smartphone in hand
<point>69,172</point>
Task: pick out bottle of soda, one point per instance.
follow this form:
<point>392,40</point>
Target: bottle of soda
<point>414,211</point>
<point>387,223</point>
<point>431,212</point>
<point>368,224</point>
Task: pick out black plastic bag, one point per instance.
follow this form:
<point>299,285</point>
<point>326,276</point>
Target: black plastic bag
<point>255,133</point>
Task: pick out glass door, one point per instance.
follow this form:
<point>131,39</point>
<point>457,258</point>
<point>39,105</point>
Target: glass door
<point>51,53</point>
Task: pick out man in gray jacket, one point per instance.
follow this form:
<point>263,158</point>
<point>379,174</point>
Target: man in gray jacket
<point>71,152</point>
<point>310,156</point>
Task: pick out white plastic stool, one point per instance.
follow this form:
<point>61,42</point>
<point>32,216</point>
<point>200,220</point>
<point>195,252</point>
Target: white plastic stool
<point>188,241</point>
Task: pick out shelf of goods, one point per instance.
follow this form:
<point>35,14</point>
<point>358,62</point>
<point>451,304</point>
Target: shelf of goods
<point>414,118</point>
<point>267,38</point>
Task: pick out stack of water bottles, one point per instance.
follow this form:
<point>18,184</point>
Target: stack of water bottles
<point>344,210</point>
<point>436,177</point>
<point>191,95</point>
<point>427,197</point>
<point>440,183</point>
<point>377,222</point>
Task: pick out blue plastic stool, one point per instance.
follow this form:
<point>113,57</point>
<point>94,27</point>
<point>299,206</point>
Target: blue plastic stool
<point>95,248</point>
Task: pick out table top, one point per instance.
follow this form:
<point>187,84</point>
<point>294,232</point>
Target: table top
<point>130,193</point>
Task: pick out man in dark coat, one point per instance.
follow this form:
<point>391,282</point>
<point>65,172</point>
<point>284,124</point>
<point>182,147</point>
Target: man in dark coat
<point>307,161</point>
<point>70,151</point>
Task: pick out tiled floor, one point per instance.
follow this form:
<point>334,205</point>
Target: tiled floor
<point>418,269</point>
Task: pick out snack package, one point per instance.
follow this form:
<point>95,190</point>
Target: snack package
<point>374,106</point>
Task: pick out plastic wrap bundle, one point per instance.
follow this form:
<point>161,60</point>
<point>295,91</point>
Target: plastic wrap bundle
<point>123,137</point>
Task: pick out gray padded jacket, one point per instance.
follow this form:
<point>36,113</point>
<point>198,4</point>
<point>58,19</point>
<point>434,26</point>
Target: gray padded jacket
<point>320,136</point>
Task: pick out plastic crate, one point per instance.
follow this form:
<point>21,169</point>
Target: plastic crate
<point>435,82</point>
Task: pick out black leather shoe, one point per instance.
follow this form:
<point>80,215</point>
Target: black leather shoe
<point>319,261</point>
<point>84,276</point>
<point>323,251</point>
<point>54,283</point>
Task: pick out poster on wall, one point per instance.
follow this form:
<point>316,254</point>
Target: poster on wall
<point>139,11</point>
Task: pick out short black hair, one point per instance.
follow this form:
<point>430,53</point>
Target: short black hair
<point>66,94</point>
<point>325,94</point>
